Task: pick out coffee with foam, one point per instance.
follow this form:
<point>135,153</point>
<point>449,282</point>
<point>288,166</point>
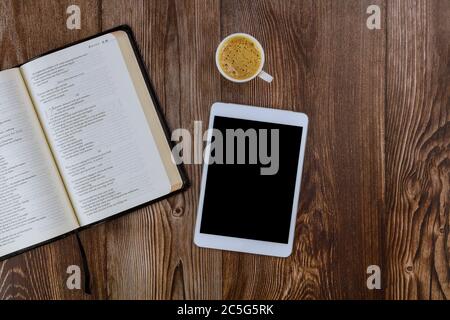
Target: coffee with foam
<point>240,57</point>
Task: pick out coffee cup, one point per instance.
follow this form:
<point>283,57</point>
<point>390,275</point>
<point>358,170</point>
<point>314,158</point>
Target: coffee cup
<point>240,58</point>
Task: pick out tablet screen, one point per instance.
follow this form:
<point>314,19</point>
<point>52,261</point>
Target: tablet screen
<point>251,200</point>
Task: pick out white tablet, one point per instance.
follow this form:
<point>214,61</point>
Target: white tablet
<point>251,180</point>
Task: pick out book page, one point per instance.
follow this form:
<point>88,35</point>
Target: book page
<point>34,206</point>
<point>149,108</point>
<point>97,128</point>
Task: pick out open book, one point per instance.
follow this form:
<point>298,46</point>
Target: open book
<point>81,140</point>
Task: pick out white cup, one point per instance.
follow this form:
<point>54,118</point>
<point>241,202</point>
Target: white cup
<point>260,73</point>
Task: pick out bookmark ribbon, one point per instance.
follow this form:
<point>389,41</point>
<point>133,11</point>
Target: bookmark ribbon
<point>87,274</point>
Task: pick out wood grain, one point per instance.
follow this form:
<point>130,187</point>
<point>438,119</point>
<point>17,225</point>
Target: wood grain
<point>418,149</point>
<point>375,188</point>
<point>178,39</point>
<point>331,68</point>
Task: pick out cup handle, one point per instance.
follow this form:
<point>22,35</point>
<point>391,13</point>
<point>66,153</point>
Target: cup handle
<point>265,76</point>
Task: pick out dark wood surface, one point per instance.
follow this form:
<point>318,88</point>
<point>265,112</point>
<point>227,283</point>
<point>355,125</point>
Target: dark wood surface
<point>375,188</point>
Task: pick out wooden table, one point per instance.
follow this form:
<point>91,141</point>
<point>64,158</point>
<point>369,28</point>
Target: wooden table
<point>376,179</point>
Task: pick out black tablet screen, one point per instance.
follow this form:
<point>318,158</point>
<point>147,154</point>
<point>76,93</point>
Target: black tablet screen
<point>251,200</point>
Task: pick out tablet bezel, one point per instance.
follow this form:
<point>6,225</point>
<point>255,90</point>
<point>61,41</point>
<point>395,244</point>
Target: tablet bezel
<point>246,245</point>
